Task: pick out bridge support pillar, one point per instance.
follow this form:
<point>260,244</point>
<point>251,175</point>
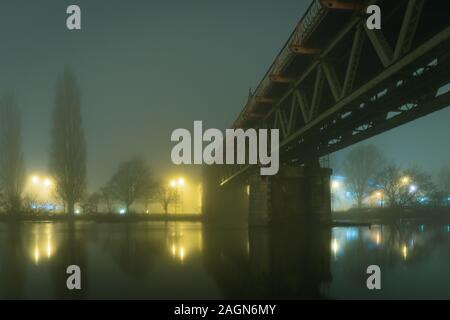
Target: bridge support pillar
<point>294,194</point>
<point>225,206</point>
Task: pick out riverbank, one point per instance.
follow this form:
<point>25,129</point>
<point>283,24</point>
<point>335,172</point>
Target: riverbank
<point>111,217</point>
<point>389,215</point>
<point>355,217</point>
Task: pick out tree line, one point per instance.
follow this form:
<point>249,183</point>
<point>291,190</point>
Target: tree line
<point>133,181</point>
<point>367,170</point>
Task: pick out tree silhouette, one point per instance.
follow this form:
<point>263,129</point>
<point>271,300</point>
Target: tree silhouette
<point>12,169</point>
<point>68,147</point>
<point>444,180</point>
<point>404,188</point>
<point>166,196</point>
<point>131,181</point>
<point>360,165</point>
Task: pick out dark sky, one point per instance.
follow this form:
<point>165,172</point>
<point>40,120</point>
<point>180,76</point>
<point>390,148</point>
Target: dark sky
<point>148,67</point>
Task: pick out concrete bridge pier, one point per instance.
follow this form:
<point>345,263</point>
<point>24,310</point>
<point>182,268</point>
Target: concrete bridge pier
<point>223,205</point>
<point>294,194</point>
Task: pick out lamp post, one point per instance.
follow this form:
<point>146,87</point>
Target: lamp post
<point>178,185</point>
<point>379,196</point>
<point>41,188</point>
<point>336,186</point>
<point>405,180</point>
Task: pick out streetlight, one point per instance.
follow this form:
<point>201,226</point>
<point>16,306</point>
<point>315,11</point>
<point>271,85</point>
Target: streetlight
<point>178,185</point>
<point>405,180</point>
<point>47,183</point>
<point>40,188</point>
<point>379,196</point>
<point>335,185</point>
<point>38,181</point>
<point>35,180</point>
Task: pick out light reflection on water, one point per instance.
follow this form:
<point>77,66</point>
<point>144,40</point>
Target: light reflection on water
<point>43,245</point>
<point>414,261</point>
<point>188,260</point>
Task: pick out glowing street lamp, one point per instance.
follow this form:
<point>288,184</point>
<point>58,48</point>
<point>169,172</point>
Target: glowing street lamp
<point>379,196</point>
<point>178,185</point>
<point>35,180</point>
<point>335,185</point>
<point>41,182</point>
<point>47,183</point>
<point>405,180</point>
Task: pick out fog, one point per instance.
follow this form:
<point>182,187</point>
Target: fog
<point>148,68</point>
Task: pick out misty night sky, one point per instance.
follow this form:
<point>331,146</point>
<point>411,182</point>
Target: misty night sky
<point>148,67</point>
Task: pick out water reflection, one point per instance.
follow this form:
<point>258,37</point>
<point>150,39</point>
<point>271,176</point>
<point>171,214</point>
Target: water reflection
<point>414,259</point>
<point>188,260</point>
<point>43,246</point>
<point>183,243</point>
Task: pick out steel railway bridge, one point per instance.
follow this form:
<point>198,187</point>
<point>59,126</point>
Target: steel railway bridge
<point>334,83</point>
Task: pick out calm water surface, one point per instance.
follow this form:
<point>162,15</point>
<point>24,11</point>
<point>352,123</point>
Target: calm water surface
<point>153,260</point>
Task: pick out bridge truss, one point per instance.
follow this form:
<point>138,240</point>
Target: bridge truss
<point>336,83</point>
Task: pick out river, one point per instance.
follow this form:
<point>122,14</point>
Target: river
<point>187,260</point>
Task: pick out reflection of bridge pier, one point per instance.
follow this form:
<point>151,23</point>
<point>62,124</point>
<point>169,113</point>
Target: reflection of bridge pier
<point>288,262</point>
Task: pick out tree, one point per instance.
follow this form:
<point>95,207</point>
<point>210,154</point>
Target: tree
<point>68,146</point>
<point>12,169</point>
<point>107,197</point>
<point>148,196</point>
<point>131,181</point>
<point>361,165</point>
<point>389,179</point>
<point>166,196</point>
<point>93,202</point>
<point>444,180</point>
<point>404,188</point>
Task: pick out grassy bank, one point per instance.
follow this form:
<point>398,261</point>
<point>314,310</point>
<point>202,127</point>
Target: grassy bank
<point>108,217</point>
<point>386,215</point>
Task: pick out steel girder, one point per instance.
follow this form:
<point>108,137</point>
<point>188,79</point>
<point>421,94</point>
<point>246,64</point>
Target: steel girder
<point>308,128</point>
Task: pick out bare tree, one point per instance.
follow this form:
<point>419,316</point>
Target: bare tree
<point>166,196</point>
<point>68,146</point>
<point>92,202</point>
<point>404,188</point>
<point>12,169</point>
<point>444,180</point>
<point>131,181</point>
<point>107,197</point>
<point>389,179</point>
<point>148,196</point>
<point>360,165</point>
